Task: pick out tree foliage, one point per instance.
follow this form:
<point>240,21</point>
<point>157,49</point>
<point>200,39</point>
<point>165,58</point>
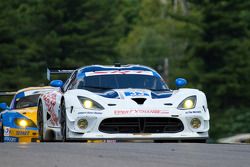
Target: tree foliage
<point>38,34</point>
<point>222,53</point>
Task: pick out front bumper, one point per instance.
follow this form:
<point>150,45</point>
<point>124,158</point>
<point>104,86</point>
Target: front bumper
<point>20,135</point>
<point>94,120</point>
<point>162,136</point>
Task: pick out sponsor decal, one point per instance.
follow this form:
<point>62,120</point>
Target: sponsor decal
<point>90,113</point>
<point>109,72</point>
<point>50,102</point>
<point>127,112</point>
<point>130,93</point>
<point>22,133</point>
<point>6,131</point>
<point>10,139</point>
<point>193,112</point>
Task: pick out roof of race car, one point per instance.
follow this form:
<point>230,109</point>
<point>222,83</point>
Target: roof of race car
<point>33,88</point>
<point>93,68</point>
<point>122,67</point>
<point>30,91</point>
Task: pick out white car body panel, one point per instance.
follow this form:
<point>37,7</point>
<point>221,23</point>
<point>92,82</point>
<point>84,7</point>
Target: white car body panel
<point>129,108</point>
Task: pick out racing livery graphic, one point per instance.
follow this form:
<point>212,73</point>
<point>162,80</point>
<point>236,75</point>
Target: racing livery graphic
<point>127,102</point>
<point>18,123</point>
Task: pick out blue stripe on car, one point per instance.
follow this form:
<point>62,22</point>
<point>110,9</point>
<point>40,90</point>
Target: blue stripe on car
<point>109,94</point>
<point>160,95</point>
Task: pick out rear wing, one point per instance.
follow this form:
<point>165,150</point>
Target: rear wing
<point>58,71</point>
<point>7,93</point>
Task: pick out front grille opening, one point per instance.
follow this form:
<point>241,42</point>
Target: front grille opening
<point>141,125</point>
<point>139,100</point>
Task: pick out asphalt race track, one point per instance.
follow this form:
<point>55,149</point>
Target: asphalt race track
<point>123,154</point>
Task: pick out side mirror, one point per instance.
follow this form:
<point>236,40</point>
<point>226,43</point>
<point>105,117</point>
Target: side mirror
<point>56,83</point>
<point>4,106</point>
<point>180,82</point>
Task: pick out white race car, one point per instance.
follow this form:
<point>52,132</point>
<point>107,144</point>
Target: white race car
<point>130,102</point>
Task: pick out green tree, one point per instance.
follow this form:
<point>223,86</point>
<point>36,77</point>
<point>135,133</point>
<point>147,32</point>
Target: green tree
<point>14,41</point>
<point>160,32</point>
<point>37,34</point>
<point>79,32</point>
<point>221,56</point>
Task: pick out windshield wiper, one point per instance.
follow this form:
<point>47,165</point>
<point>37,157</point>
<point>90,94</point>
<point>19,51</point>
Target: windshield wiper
<point>159,89</point>
<point>97,87</point>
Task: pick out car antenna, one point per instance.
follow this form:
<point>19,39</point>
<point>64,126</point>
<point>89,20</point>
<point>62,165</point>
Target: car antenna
<point>117,64</point>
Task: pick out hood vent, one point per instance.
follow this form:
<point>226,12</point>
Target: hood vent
<point>111,104</point>
<point>139,100</point>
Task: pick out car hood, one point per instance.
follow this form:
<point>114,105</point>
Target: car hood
<point>134,93</point>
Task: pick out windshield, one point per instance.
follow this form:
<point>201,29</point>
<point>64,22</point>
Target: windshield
<point>26,101</point>
<point>121,82</point>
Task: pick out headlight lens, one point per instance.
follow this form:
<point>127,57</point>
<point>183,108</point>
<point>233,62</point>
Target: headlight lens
<point>89,104</point>
<point>24,122</point>
<point>187,103</point>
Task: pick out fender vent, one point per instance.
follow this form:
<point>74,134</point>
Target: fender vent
<point>48,116</point>
<point>139,100</point>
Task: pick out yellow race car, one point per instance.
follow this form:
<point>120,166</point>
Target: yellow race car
<point>18,122</point>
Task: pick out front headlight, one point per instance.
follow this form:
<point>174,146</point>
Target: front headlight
<point>187,103</point>
<point>24,122</point>
<point>89,103</point>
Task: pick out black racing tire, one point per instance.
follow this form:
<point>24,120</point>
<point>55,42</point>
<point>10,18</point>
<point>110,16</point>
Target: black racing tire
<point>2,135</point>
<point>166,141</point>
<point>196,141</point>
<point>182,141</point>
<point>63,122</point>
<point>40,124</point>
